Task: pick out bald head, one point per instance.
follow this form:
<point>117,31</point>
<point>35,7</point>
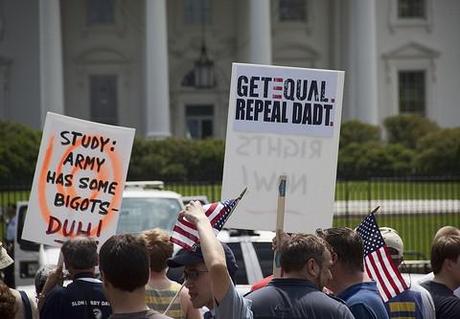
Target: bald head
<point>446,231</point>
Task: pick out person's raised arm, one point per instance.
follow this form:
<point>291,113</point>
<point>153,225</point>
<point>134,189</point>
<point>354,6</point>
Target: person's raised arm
<point>213,252</point>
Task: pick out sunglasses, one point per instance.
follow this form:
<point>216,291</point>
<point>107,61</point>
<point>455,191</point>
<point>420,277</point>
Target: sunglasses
<point>192,275</point>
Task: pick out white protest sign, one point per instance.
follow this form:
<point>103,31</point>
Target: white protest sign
<point>78,181</point>
<point>282,121</point>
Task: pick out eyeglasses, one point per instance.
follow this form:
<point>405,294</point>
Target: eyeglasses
<point>192,274</point>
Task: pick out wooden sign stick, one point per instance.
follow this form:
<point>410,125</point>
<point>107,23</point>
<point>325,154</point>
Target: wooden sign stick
<point>279,224</point>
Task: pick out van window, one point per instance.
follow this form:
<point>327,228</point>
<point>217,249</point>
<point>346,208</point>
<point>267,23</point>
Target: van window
<point>240,277</point>
<point>264,253</point>
<point>24,244</point>
<point>141,213</point>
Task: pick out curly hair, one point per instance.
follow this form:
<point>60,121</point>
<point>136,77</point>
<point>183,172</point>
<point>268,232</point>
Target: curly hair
<point>7,302</point>
<point>159,247</point>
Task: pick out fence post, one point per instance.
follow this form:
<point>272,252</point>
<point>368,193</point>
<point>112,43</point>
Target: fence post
<point>369,194</point>
<point>347,198</point>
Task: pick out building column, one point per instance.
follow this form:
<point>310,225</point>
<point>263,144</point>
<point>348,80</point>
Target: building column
<point>51,69</point>
<point>157,79</point>
<point>260,32</point>
<point>363,61</point>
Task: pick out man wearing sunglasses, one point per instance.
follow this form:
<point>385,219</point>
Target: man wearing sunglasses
<point>208,271</point>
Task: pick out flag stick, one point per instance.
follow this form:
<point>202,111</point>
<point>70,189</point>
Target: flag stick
<point>175,297</point>
<point>242,193</point>
<point>279,224</point>
<point>41,256</point>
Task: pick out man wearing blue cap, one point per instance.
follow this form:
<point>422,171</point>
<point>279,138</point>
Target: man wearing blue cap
<point>208,271</point>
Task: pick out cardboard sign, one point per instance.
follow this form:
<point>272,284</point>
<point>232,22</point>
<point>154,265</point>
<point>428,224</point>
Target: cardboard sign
<point>78,181</point>
<point>282,121</point>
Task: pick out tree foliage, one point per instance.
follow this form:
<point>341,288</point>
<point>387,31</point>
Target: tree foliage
<point>407,129</point>
<point>438,153</point>
<point>177,159</point>
<point>374,159</point>
<point>362,153</point>
<point>358,132</point>
<point>19,146</point>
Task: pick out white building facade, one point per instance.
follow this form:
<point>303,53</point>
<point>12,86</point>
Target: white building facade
<point>163,66</point>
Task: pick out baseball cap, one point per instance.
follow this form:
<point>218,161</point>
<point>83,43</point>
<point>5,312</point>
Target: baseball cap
<point>5,259</point>
<point>392,240</point>
<point>186,257</point>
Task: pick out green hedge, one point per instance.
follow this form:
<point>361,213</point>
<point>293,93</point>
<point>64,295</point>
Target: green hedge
<point>415,146</point>
<point>18,152</point>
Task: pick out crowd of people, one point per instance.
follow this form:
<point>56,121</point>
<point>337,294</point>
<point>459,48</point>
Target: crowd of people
<point>323,276</point>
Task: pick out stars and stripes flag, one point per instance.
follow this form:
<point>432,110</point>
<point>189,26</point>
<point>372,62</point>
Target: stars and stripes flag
<point>185,233</point>
<point>377,260</point>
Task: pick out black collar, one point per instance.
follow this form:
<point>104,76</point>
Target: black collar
<point>84,275</point>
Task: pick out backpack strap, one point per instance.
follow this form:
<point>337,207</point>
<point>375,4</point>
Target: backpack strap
<point>26,303</point>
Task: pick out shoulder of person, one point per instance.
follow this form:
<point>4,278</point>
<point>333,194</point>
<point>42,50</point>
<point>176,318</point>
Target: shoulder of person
<point>337,299</point>
<point>362,310</point>
<point>56,292</point>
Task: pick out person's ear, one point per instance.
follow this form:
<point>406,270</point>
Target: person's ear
<point>313,269</point>
<point>450,264</point>
<point>334,257</point>
<point>105,283</point>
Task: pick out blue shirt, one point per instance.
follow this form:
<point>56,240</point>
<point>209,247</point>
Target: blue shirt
<point>233,305</point>
<point>364,301</point>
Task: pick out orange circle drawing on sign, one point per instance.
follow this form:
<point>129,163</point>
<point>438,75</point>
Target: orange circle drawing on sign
<point>102,174</point>
<point>116,199</point>
<point>60,187</point>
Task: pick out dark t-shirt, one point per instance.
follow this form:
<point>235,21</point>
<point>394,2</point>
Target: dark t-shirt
<point>295,298</point>
<point>446,304</point>
<point>146,314</point>
<point>81,299</point>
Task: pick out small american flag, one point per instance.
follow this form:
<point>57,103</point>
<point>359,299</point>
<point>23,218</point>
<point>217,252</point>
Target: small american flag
<point>378,263</point>
<point>185,233</point>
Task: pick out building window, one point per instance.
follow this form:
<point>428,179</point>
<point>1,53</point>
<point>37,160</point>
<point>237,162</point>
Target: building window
<point>199,121</point>
<point>197,12</point>
<point>100,12</point>
<point>103,98</point>
<point>292,10</point>
<point>411,9</point>
<point>412,92</point>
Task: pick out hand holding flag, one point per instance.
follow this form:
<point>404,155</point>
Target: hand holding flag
<point>185,233</point>
<point>378,263</point>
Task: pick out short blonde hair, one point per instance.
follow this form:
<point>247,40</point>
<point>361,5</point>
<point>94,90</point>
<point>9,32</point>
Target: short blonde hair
<point>160,248</point>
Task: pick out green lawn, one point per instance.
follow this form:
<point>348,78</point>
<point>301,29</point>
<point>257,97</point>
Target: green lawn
<point>363,190</point>
<point>353,190</point>
<point>417,231</point>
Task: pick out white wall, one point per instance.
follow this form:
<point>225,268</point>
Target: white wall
<point>20,43</point>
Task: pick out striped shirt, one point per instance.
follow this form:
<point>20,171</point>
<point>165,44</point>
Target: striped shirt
<point>159,299</point>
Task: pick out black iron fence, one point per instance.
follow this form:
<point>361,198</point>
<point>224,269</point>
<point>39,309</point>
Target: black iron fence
<point>415,206</point>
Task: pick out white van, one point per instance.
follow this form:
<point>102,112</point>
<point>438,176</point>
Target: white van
<point>145,205</point>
